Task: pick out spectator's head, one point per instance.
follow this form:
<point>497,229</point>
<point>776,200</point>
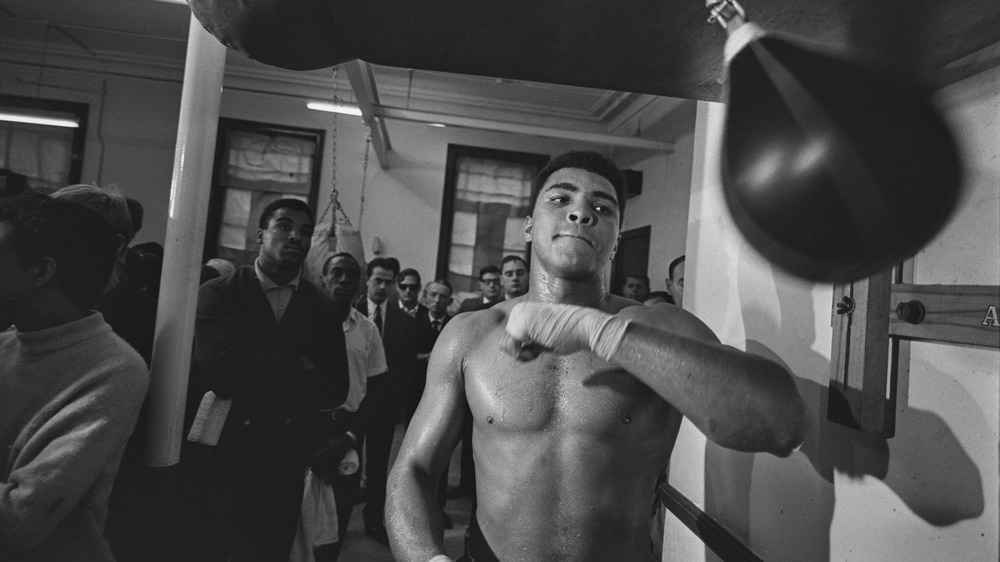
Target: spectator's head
<point>382,274</point>
<point>675,283</point>
<point>489,282</point>
<point>136,213</point>
<point>113,206</point>
<point>589,161</point>
<point>224,267</point>
<point>437,297</point>
<point>408,284</point>
<point>56,256</point>
<point>636,287</point>
<point>285,233</point>
<point>342,278</point>
<point>514,276</point>
<point>657,297</point>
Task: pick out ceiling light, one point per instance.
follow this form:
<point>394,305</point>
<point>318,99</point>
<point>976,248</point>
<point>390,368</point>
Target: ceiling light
<point>35,120</point>
<point>334,108</point>
<point>436,125</point>
<point>175,1</point>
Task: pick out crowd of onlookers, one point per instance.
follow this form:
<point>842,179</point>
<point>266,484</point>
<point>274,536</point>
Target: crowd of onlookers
<point>289,377</point>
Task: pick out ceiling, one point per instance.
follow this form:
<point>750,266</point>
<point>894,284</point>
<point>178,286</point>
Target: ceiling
<point>154,32</point>
<point>572,65</point>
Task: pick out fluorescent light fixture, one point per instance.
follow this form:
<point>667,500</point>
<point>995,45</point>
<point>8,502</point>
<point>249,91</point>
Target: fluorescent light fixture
<point>175,1</point>
<point>35,120</point>
<point>436,125</point>
<point>334,108</point>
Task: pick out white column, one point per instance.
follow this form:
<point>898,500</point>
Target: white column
<point>190,190</point>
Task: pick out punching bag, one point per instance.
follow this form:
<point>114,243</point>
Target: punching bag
<point>832,169</point>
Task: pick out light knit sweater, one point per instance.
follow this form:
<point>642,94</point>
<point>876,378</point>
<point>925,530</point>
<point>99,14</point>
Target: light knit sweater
<point>69,398</point>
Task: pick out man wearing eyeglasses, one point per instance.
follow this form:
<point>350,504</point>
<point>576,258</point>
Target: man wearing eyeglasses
<point>409,293</point>
<point>489,286</point>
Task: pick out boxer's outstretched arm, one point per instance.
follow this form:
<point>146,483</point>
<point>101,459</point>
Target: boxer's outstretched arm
<point>413,518</point>
<point>740,401</point>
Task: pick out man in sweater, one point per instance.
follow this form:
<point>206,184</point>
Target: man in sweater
<point>70,389</point>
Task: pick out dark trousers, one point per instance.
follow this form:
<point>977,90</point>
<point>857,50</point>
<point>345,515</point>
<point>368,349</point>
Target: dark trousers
<point>255,485</point>
<point>378,443</point>
<point>476,547</point>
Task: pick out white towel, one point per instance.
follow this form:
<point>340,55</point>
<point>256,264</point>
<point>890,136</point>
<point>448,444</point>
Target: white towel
<point>318,520</point>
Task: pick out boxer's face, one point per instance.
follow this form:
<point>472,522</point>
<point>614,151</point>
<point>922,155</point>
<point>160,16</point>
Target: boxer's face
<point>575,224</point>
<point>287,238</point>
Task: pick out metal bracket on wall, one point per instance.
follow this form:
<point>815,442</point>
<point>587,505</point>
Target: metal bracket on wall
<point>871,314</point>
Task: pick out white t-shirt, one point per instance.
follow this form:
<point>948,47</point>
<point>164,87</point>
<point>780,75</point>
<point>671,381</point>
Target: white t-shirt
<point>365,356</point>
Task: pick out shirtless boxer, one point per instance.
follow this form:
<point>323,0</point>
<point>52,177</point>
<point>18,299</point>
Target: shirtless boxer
<point>576,397</point>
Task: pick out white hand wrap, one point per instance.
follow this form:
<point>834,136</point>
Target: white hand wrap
<point>440,558</point>
<point>565,328</point>
<point>606,340</point>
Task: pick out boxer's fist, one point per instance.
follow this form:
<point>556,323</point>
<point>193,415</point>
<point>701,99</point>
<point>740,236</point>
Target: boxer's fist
<point>534,327</point>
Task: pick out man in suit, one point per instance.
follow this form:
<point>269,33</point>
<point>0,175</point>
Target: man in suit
<point>514,276</point>
<point>437,295</point>
<point>489,286</point>
<point>409,292</point>
<point>399,339</point>
<point>272,343</point>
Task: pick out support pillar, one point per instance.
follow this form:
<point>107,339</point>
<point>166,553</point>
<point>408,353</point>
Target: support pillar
<point>190,190</point>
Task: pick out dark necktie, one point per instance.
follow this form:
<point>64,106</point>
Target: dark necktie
<point>378,319</point>
<point>437,325</point>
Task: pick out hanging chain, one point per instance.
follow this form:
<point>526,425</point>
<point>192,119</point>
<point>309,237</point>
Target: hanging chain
<point>334,195</point>
<point>364,177</point>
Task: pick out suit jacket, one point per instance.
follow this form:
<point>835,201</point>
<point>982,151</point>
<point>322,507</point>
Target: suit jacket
<point>426,334</point>
<point>475,303</point>
<point>399,336</point>
<point>243,353</point>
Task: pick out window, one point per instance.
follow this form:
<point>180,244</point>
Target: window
<point>42,140</point>
<point>256,164</point>
<point>487,195</point>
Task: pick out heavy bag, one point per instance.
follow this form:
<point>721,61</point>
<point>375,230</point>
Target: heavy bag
<point>329,239</point>
<point>833,170</point>
<point>293,34</point>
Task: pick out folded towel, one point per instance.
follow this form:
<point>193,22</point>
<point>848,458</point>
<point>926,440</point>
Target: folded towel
<point>208,422</point>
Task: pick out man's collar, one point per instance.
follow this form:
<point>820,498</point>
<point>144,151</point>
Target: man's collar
<point>372,305</point>
<point>267,284</point>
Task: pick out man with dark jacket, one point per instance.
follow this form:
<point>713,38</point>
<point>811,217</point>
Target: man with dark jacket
<point>272,343</point>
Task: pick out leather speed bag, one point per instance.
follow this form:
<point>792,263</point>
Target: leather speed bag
<point>833,170</point>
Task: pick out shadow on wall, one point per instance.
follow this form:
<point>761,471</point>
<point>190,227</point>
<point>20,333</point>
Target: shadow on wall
<point>924,464</point>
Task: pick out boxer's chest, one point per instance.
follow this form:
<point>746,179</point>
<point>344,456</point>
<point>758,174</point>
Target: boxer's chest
<point>574,392</point>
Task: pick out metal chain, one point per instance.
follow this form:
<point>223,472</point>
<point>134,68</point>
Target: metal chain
<point>364,177</point>
<point>334,201</point>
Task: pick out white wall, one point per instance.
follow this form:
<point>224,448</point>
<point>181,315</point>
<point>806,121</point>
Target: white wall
<point>930,492</point>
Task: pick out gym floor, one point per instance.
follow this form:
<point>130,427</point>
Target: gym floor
<point>359,547</point>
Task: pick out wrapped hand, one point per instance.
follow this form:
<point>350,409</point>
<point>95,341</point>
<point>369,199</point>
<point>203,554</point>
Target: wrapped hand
<point>534,327</point>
